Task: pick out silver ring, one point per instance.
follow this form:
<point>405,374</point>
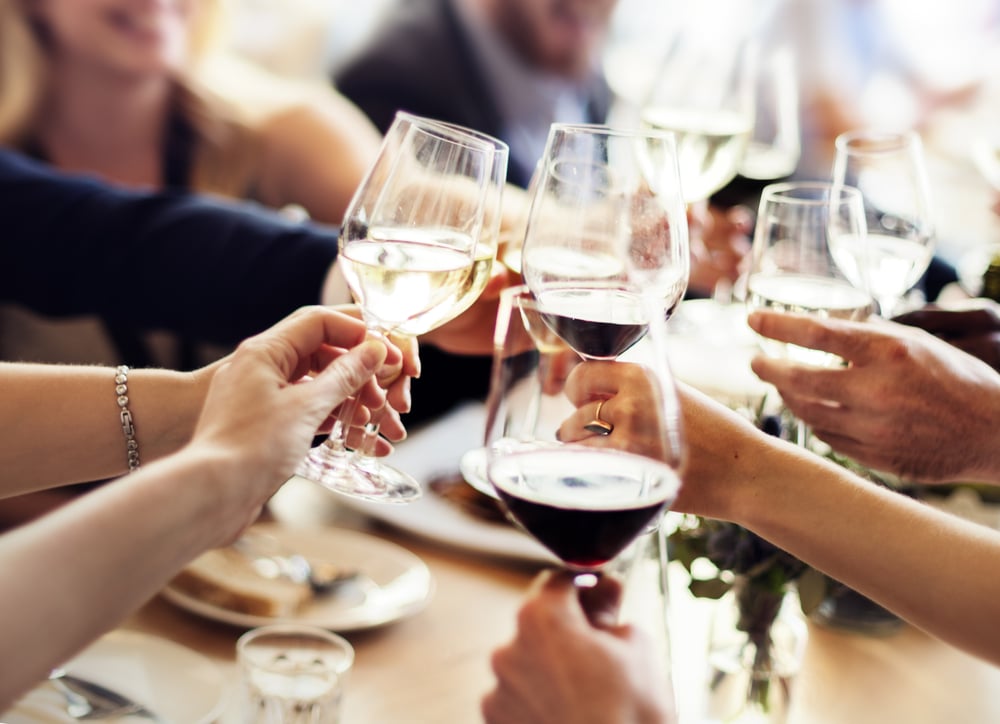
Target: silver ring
<point>597,425</point>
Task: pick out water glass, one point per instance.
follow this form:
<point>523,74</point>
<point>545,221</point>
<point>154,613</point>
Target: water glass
<point>292,674</point>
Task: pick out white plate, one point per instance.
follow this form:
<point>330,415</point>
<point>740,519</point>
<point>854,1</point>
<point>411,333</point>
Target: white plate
<point>403,582</point>
<point>177,683</point>
<point>434,450</point>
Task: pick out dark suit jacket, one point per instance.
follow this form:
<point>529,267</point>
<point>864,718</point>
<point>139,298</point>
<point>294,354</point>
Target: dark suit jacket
<point>209,271</point>
<point>420,60</point>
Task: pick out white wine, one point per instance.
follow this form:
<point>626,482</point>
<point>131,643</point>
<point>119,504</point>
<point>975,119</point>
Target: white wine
<point>765,162</point>
<point>463,298</point>
<point>710,145</point>
<point>887,266</point>
<point>806,294</point>
<point>395,278</point>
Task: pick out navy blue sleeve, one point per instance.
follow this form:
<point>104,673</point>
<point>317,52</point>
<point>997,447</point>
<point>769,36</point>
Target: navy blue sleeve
<point>207,270</point>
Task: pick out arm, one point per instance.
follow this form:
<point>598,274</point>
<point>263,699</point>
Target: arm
<point>207,270</point>
<point>907,403</point>
<point>114,548</point>
<point>568,642</point>
<point>927,566</point>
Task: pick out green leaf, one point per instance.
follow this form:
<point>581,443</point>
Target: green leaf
<point>812,587</point>
<point>711,588</point>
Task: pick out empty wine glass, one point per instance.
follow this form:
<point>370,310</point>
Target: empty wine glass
<point>407,249</point>
<point>607,226</point>
<point>583,454</point>
<point>889,170</point>
<point>792,267</point>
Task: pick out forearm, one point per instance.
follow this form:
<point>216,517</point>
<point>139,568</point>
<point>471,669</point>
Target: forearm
<point>79,571</point>
<point>929,567</point>
<point>62,424</point>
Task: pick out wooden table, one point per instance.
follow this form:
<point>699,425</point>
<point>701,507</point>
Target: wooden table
<point>434,667</point>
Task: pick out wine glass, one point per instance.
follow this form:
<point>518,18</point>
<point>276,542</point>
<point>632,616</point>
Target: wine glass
<point>704,93</point>
<point>582,453</point>
<point>774,147</point>
<point>607,227</point>
<point>792,266</point>
<point>888,168</point>
<point>407,248</point>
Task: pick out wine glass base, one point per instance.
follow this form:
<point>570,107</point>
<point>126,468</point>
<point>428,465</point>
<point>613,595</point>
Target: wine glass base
<point>365,480</point>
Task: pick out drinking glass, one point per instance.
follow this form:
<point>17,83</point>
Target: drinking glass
<point>583,453</point>
<point>792,266</point>
<point>607,227</point>
<point>407,250</point>
<point>293,674</point>
<point>889,170</point>
<point>704,93</point>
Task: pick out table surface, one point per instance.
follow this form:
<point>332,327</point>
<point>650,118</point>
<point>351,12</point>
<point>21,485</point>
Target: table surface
<point>434,666</point>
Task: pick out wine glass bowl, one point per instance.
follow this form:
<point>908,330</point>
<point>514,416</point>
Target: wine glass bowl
<point>585,496</point>
<point>607,226</point>
<point>888,168</point>
<point>793,259</point>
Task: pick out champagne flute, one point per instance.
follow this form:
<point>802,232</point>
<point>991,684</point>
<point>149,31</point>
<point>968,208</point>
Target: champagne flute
<point>407,248</point>
<point>792,267</point>
<point>888,168</point>
<point>607,226</point>
<point>584,492</point>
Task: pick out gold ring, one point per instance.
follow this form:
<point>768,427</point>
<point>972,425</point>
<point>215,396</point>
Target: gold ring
<point>597,425</point>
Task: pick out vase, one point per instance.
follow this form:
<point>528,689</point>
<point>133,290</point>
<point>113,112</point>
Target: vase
<point>756,646</point>
<point>847,610</point>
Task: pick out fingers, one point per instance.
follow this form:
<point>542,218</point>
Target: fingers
<point>794,379</point>
<point>601,603</point>
<point>350,373</point>
<point>854,341</point>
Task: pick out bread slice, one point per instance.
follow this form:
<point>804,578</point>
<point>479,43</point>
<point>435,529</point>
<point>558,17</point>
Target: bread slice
<point>226,578</point>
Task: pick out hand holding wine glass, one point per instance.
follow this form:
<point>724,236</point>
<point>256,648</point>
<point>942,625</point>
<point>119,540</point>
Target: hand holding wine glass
<point>407,249</point>
<point>889,170</point>
<point>562,453</point>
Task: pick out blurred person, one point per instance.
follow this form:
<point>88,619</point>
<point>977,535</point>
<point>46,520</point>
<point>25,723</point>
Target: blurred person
<point>906,402</point>
<point>508,68</point>
<point>226,437</point>
<point>116,88</point>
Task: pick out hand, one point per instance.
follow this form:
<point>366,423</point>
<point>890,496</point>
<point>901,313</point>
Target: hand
<point>720,241</point>
<point>906,403</point>
<point>268,399</point>
<point>471,332</point>
<point>571,662</point>
<point>974,328</point>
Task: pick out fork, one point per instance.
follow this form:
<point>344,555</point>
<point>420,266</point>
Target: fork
<point>88,700</point>
<point>271,559</point>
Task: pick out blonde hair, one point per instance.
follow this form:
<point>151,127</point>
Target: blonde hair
<point>226,152</point>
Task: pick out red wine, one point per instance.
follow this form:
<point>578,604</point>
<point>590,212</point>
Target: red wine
<point>583,504</point>
<point>597,322</point>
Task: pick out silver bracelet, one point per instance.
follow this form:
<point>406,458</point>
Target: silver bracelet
<point>128,428</point>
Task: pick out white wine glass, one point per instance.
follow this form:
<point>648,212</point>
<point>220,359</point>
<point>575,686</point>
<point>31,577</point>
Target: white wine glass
<point>704,93</point>
<point>774,147</point>
<point>607,227</point>
<point>584,491</point>
<point>792,267</point>
<point>407,248</point>
<point>889,170</point>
